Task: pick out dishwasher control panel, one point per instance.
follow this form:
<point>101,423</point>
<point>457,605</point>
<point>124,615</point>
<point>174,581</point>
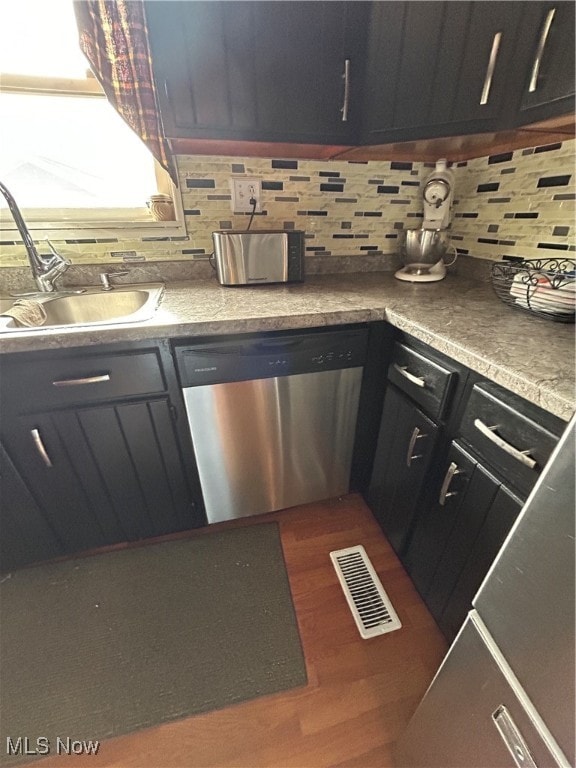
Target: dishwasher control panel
<point>267,355</point>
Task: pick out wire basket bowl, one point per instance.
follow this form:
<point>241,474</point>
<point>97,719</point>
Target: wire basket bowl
<point>543,287</point>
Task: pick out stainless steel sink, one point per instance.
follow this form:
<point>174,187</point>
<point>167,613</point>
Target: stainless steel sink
<point>93,306</point>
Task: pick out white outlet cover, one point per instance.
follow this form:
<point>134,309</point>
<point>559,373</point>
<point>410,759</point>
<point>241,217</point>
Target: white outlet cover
<point>243,189</point>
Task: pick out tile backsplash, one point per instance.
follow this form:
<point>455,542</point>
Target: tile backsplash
<point>516,203</point>
<point>345,208</point>
<point>520,203</point>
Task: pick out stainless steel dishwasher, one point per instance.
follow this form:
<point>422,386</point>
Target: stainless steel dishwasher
<point>272,418</point>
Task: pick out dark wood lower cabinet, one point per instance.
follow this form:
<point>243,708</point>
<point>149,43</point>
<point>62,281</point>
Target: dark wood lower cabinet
<point>458,536</point>
<point>405,448</point>
<point>91,476</point>
<point>498,521</point>
<point>25,534</point>
<point>437,518</point>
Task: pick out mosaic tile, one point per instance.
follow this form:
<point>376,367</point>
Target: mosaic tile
<point>200,183</point>
<point>490,187</point>
<point>530,211</point>
<point>504,157</point>
<point>554,181</point>
<point>284,164</point>
<point>548,148</point>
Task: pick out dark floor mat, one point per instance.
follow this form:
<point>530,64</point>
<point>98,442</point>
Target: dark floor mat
<point>100,646</point>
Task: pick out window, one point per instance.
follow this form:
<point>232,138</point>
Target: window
<point>67,157</point>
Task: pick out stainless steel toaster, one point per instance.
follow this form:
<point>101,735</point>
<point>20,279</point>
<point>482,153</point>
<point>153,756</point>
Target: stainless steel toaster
<point>262,256</point>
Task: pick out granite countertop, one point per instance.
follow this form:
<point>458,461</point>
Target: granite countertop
<point>458,316</point>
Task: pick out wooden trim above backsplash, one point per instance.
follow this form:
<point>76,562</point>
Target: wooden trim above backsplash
<point>454,148</point>
<point>460,148</point>
<point>222,147</point>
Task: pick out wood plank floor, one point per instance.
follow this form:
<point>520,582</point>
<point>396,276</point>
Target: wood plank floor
<point>360,693</point>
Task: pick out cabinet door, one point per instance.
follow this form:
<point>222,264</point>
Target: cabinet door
<point>473,508</point>
<point>405,448</point>
<point>457,538</point>
<point>25,534</point>
<point>547,39</point>
<point>104,474</point>
<point>439,69</point>
<point>257,71</point>
<point>438,516</point>
<point>499,519</point>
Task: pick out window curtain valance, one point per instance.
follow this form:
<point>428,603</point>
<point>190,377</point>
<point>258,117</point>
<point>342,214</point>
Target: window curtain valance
<point>114,38</point>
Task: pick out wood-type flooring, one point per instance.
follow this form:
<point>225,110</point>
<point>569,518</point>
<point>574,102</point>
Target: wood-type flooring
<point>360,693</point>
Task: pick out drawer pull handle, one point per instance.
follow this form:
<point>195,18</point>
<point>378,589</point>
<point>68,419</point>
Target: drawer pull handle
<point>512,738</point>
<point>444,491</point>
<point>346,78</point>
<point>410,456</point>
<point>490,69</point>
<point>540,51</point>
<point>402,370</point>
<point>489,432</point>
<point>77,382</point>
<point>40,447</point>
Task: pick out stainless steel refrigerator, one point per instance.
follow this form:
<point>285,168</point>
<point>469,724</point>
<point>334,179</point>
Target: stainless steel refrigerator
<point>504,695</point>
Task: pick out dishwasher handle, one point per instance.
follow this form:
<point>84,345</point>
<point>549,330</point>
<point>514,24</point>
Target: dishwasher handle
<point>277,345</point>
<point>271,356</point>
<point>255,349</point>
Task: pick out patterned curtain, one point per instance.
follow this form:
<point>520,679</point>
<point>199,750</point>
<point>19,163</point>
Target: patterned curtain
<point>114,39</point>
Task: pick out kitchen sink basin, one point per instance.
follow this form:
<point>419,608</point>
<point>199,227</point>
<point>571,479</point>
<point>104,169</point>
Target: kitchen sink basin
<point>90,306</point>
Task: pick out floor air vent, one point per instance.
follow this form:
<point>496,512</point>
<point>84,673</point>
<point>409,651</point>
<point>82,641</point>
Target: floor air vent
<point>368,601</point>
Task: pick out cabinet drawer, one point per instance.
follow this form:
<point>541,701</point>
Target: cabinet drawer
<point>30,384</point>
<point>515,442</point>
<point>427,382</point>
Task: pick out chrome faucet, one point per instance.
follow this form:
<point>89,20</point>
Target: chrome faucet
<point>45,269</point>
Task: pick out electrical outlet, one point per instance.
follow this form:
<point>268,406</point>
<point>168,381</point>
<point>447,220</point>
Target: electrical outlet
<point>244,190</point>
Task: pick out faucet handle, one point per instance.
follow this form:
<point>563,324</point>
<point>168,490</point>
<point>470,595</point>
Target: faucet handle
<point>57,257</point>
<point>52,249</point>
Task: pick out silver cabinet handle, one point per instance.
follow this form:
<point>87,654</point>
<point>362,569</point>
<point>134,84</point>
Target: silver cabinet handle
<point>77,382</point>
<point>402,370</point>
<point>444,491</point>
<point>40,447</point>
<point>490,69</point>
<point>513,739</point>
<point>489,432</point>
<point>410,456</point>
<point>540,50</point>
<point>167,93</point>
<point>346,78</point>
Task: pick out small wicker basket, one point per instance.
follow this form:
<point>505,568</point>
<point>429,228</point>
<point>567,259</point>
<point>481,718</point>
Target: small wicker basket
<point>543,287</point>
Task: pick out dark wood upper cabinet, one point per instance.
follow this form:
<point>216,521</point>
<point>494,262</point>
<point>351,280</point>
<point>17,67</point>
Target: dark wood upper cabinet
<point>259,71</point>
<point>417,70</point>
<point>455,68</point>
<point>439,69</point>
<point>548,30</point>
